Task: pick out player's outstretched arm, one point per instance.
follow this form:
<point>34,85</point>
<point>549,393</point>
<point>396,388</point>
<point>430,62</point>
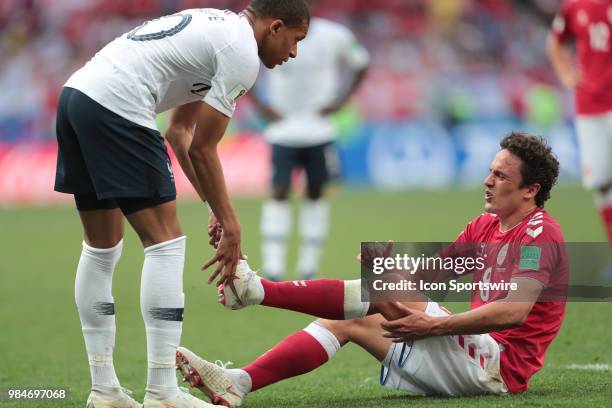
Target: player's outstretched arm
<point>179,135</point>
<point>503,314</point>
<point>210,128</point>
<point>562,62</point>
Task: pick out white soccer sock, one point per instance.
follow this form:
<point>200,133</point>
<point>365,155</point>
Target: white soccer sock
<point>275,230</point>
<point>162,302</point>
<point>314,226</point>
<point>241,379</point>
<point>96,307</point>
<point>326,338</point>
<point>354,307</point>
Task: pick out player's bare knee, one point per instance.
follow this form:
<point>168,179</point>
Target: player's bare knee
<point>339,328</point>
<point>314,192</point>
<point>606,189</point>
<point>157,224</point>
<point>280,193</point>
<point>102,228</point>
<point>105,242</point>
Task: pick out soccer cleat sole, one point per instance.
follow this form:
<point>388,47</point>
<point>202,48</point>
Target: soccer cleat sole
<point>194,378</point>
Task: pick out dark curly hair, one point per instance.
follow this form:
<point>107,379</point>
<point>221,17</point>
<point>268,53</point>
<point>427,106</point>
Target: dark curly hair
<point>538,163</point>
<point>292,12</point>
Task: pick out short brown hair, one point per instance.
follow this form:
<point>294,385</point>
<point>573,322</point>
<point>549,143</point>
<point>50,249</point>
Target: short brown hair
<point>292,12</point>
<point>539,165</point>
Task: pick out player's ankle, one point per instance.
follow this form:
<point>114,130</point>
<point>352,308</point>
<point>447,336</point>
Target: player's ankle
<point>241,380</point>
<point>160,392</point>
<point>106,390</point>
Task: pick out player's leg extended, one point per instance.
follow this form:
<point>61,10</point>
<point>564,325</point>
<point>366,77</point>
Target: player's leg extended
<point>276,214</point>
<point>319,162</point>
<point>161,291</point>
<point>327,298</point>
<point>297,354</point>
<point>332,299</point>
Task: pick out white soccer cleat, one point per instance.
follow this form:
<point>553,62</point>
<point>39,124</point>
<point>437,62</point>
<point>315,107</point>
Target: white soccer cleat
<point>209,378</point>
<point>245,290</point>
<point>182,399</point>
<point>116,398</point>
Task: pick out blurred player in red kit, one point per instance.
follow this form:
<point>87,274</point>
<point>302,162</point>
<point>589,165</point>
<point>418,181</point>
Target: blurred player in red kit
<point>589,24</point>
<point>494,348</point>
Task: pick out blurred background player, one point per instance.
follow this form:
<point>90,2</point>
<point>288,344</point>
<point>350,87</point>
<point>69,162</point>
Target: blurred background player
<point>113,160</point>
<point>302,95</point>
<point>589,24</point>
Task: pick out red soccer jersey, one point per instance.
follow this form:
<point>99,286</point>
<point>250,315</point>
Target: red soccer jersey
<point>589,23</point>
<point>534,249</point>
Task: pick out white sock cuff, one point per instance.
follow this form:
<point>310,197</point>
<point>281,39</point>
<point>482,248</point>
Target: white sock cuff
<point>354,308</point>
<point>176,243</point>
<point>321,205</point>
<point>116,250</point>
<point>324,337</point>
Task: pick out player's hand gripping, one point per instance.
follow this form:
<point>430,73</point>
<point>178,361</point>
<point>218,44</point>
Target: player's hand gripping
<point>227,256</point>
<point>374,250</point>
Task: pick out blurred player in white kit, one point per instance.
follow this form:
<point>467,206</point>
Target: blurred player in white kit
<point>301,97</point>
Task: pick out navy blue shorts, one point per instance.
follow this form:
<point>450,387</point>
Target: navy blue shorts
<point>104,155</point>
<point>320,163</point>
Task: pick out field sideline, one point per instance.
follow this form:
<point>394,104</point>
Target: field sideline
<point>41,344</point>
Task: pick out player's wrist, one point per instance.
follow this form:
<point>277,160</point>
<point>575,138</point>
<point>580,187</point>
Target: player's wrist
<point>440,326</point>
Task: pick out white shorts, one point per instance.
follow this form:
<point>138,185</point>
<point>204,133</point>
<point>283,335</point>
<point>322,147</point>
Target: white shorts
<point>451,365</point>
<point>595,139</point>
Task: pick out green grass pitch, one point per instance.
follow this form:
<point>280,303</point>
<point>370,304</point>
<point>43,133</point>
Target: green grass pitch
<point>41,342</point>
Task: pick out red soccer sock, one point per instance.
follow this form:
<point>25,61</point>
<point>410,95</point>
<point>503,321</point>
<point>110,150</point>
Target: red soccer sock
<point>320,298</point>
<point>298,354</point>
<point>606,216</point>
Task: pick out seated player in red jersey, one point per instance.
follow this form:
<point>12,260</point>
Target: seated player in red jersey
<point>494,348</point>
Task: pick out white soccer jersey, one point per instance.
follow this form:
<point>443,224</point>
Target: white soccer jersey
<point>299,89</point>
<point>197,54</point>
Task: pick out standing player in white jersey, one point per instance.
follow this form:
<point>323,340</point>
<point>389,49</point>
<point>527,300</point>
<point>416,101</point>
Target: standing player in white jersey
<point>301,96</point>
<point>589,24</point>
<point>113,159</point>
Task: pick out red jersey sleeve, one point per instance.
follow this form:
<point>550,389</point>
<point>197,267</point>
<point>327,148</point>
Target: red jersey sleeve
<point>541,252</point>
<point>562,24</point>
